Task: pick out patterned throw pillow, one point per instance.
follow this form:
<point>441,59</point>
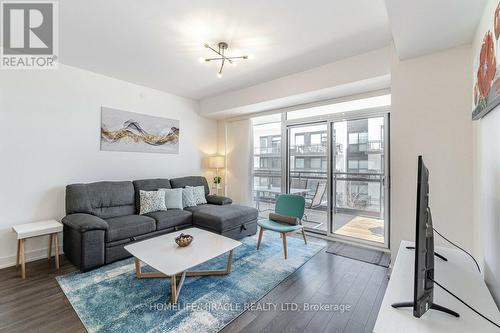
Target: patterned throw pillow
<point>188,197</point>
<point>151,201</point>
<point>199,193</point>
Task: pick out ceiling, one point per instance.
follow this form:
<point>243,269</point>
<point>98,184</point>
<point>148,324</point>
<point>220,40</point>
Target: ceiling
<point>157,43</point>
<point>426,26</point>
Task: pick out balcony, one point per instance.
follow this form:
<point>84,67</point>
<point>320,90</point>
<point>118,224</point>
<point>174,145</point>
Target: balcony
<point>358,210</point>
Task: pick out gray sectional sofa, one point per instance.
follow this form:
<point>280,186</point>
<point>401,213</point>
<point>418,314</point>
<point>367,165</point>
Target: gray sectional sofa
<point>103,217</point>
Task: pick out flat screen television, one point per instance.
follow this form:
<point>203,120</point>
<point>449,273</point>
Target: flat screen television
<point>423,285</point>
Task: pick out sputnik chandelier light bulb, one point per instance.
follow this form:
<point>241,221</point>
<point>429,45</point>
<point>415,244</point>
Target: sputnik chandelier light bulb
<point>221,56</point>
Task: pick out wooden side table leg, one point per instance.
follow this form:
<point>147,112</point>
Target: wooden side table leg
<point>18,252</point>
<point>49,250</point>
<point>23,260</point>
<point>56,241</point>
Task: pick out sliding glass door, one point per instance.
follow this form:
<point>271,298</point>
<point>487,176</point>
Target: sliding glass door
<point>340,166</point>
<point>359,170</point>
<point>334,155</point>
<point>307,171</point>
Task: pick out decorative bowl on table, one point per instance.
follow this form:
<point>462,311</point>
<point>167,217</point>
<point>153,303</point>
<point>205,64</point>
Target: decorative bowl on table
<point>183,240</point>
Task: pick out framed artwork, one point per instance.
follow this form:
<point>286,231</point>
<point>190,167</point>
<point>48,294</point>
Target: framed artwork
<point>486,89</point>
<point>135,132</point>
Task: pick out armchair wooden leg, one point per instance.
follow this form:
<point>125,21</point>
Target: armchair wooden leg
<point>304,235</point>
<point>284,243</point>
<point>260,237</point>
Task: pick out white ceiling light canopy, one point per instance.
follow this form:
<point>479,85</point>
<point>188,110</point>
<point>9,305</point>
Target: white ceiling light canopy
<point>222,57</point>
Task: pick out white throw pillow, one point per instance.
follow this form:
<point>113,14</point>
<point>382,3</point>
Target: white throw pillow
<point>188,197</point>
<point>199,193</point>
<point>151,201</point>
<point>173,197</point>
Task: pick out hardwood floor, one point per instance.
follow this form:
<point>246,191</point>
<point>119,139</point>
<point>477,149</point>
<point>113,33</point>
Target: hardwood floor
<point>37,304</point>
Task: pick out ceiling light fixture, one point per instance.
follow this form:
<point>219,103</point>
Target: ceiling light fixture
<point>223,46</point>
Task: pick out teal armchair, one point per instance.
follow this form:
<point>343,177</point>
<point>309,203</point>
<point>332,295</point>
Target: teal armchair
<point>289,205</point>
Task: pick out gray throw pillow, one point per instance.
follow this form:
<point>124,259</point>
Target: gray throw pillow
<point>151,201</point>
<point>199,194</point>
<point>173,197</point>
<point>188,197</point>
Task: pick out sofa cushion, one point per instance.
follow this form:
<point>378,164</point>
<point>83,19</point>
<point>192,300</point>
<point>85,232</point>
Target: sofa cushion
<point>219,218</point>
<point>102,199</point>
<point>148,185</point>
<point>190,181</point>
<point>171,218</point>
<point>123,227</point>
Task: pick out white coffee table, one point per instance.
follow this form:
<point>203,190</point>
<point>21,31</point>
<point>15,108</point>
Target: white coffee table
<point>170,260</point>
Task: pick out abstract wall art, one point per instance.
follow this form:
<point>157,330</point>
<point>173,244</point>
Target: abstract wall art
<point>486,90</point>
<point>134,132</point>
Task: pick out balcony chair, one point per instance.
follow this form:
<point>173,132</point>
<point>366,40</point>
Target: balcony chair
<point>288,205</point>
<point>317,198</point>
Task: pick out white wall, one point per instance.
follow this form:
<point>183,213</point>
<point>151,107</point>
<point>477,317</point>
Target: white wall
<point>431,116</point>
<point>49,137</point>
<point>239,161</point>
<point>487,177</point>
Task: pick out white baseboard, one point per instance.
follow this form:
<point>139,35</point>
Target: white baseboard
<point>33,255</point>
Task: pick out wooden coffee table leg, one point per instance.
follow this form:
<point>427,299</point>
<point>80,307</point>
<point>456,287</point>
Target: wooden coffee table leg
<point>173,284</point>
<point>137,268</point>
<point>176,287</point>
<point>229,262</point>
<point>217,271</point>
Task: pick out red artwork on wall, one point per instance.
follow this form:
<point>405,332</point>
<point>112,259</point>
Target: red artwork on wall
<point>486,91</point>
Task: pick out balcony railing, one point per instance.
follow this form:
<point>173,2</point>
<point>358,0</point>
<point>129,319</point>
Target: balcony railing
<point>267,150</point>
<point>308,149</point>
<point>353,192</point>
<point>375,146</point>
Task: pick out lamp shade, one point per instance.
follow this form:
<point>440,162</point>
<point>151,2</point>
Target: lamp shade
<point>216,162</point>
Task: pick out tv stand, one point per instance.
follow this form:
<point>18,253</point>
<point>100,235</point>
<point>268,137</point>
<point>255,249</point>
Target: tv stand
<point>459,274</point>
<point>435,253</point>
<point>433,307</point>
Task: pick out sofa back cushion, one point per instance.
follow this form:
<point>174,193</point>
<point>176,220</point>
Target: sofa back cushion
<point>148,185</point>
<point>102,199</point>
<point>190,181</point>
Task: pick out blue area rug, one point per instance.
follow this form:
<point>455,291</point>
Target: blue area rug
<point>111,299</point>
